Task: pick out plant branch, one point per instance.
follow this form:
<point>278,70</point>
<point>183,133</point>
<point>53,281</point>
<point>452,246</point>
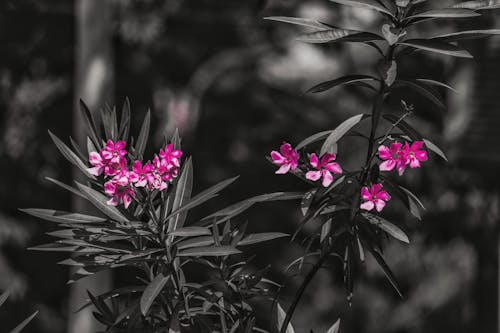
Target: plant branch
<point>302,288</point>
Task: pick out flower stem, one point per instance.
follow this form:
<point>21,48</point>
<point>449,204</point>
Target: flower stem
<point>302,288</point>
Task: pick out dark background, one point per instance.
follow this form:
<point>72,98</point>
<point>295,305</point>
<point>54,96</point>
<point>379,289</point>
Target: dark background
<point>233,84</point>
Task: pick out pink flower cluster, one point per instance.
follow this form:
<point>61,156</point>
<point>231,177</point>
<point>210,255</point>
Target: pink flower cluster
<point>398,156</point>
<point>319,168</point>
<point>112,162</point>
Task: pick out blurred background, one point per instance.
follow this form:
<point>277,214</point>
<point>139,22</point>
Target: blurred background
<point>232,83</point>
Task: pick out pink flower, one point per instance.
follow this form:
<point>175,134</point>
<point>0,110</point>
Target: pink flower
<point>114,152</point>
<point>374,198</point>
<point>120,190</point>
<point>141,175</point>
<point>159,177</point>
<point>393,158</point>
<point>171,155</point>
<point>324,168</point>
<point>111,160</point>
<point>287,159</point>
<point>414,154</point>
<point>98,164</point>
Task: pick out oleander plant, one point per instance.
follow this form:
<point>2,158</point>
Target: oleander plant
<point>192,274</point>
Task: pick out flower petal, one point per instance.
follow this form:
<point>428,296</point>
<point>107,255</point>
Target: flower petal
<point>375,188</point>
<point>334,167</point>
<point>367,205</point>
<point>313,160</point>
<point>327,178</point>
<point>126,200</point>
<point>384,153</point>
<point>277,158</point>
<point>383,195</point>
<point>379,205</point>
<point>313,175</point>
<point>283,169</point>
<point>365,193</point>
<point>387,165</point>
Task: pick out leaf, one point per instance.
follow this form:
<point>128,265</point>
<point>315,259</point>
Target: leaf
<point>142,139</point>
<point>335,327</point>
<point>436,46</point>
<point>70,155</point>
<point>386,269</point>
<point>338,35</point>
<point>387,226</point>
<point>444,13</point>
<point>204,196</point>
<point>340,131</point>
<point>349,79</point>
<point>261,237</point>
<point>307,200</point>
<point>183,189</point>
<point>100,202</point>
<point>281,318</point>
<point>325,230</point>
<point>62,217</point>
<point>22,325</point>
<point>423,89</point>
<point>313,138</point>
<point>66,187</point>
<point>300,21</point>
<point>195,242</point>
<point>152,291</point>
<point>469,34</point>
<point>89,122</point>
<point>4,297</point>
<point>208,251</point>
<point>435,149</point>
<point>479,4</point>
<point>369,4</point>
<point>229,212</point>
<point>125,120</point>
<point>436,83</point>
<point>415,205</point>
<point>190,231</point>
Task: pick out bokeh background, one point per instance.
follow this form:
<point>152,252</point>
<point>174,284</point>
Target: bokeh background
<point>232,83</point>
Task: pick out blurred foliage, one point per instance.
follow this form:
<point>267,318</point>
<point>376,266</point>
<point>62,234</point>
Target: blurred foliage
<point>242,78</point>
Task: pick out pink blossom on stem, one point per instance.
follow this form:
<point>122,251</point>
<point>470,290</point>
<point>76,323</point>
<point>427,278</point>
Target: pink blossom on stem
<point>120,189</point>
<point>375,197</point>
<point>287,158</point>
<point>171,155</point>
<point>414,154</point>
<point>111,159</point>
<point>141,175</point>
<point>393,157</point>
<point>324,168</point>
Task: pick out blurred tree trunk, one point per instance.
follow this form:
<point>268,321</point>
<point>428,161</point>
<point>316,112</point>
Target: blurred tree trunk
<point>94,85</point>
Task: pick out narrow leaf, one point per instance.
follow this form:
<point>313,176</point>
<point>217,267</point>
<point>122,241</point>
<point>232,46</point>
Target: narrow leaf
<point>469,34</point>
<point>142,139</point>
<point>191,231</point>
<point>436,46</point>
<point>22,325</point>
<point>62,217</point>
<point>444,13</point>
<point>209,251</point>
<point>340,131</point>
<point>100,202</point>
<point>423,89</point>
<point>387,226</point>
<point>300,21</point>
<point>152,291</point>
<point>70,155</point>
<point>183,189</point>
<point>349,79</point>
<point>260,237</point>
<point>338,35</point>
<point>281,318</point>
<point>479,4</point>
<point>335,327</point>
